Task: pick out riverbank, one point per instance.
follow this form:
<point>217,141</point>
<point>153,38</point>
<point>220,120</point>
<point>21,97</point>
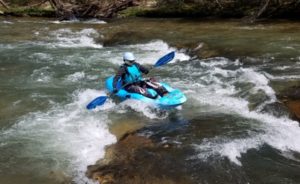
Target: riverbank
<point>250,11</point>
<point>29,12</point>
<point>27,9</point>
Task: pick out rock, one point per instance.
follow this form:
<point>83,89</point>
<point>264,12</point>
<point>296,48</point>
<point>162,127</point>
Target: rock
<point>292,93</point>
<point>1,12</point>
<point>60,176</point>
<point>277,109</point>
<point>199,49</point>
<point>294,107</point>
<point>124,126</point>
<point>291,98</point>
<point>136,159</point>
<point>126,37</point>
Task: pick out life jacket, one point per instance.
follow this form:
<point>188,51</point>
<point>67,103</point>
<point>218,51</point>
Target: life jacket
<point>133,74</point>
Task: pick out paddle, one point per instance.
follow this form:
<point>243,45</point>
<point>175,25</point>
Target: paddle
<point>102,99</point>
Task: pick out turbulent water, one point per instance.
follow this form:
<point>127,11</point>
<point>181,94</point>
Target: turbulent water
<point>232,124</point>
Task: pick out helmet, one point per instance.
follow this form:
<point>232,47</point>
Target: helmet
<point>128,58</point>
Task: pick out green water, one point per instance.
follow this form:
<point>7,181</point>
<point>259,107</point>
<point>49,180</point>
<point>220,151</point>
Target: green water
<point>230,129</point>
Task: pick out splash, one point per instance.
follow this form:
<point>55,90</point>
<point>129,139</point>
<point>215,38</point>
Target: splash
<point>90,21</point>
<point>6,22</point>
<point>147,110</point>
<point>75,77</point>
<point>68,38</point>
<point>149,53</point>
<point>283,77</point>
<point>68,134</point>
<point>228,87</point>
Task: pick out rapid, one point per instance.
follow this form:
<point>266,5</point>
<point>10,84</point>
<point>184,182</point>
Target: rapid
<point>233,126</point>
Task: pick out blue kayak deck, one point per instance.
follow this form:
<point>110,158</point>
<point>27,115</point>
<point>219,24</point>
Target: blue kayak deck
<point>174,98</point>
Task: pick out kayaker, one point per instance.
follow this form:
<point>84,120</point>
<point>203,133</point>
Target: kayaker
<point>131,76</point>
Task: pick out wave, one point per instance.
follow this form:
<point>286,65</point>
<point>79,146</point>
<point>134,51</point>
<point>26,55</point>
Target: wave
<point>75,77</point>
<point>147,53</point>
<point>68,134</point>
<point>230,88</point>
<point>68,38</point>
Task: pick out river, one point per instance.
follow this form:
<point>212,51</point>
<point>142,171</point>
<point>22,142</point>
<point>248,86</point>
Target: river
<point>232,129</point>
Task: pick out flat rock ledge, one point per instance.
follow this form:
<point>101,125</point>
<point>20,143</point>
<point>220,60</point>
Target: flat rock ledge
<point>136,159</point>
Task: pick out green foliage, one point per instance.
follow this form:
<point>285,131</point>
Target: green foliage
<point>36,12</point>
<point>174,3</point>
<point>18,2</point>
<point>131,12</point>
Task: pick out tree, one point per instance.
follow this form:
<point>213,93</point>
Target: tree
<point>4,4</point>
<point>69,9</point>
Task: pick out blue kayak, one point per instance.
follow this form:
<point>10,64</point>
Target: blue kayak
<point>173,99</point>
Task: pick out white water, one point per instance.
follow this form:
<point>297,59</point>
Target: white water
<point>147,53</point>
<point>66,137</point>
<point>216,87</point>
<point>75,77</point>
<point>67,133</point>
<point>68,38</point>
<point>42,75</point>
<point>74,137</point>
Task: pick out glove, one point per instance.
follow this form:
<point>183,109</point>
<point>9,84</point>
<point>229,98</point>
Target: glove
<point>115,91</point>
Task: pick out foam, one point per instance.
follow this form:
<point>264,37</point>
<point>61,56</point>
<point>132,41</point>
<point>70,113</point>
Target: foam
<point>67,133</point>
<point>150,52</point>
<point>283,77</point>
<point>148,110</point>
<point>282,67</point>
<point>42,75</point>
<point>68,38</point>
<point>7,22</point>
<point>40,57</point>
<point>75,77</point>
<point>90,21</point>
<point>94,21</point>
<point>147,53</point>
<point>215,84</point>
<point>280,133</point>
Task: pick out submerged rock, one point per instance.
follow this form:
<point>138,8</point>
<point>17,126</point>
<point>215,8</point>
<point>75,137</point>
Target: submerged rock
<point>137,159</point>
<point>199,49</point>
<point>126,37</point>
<point>291,98</point>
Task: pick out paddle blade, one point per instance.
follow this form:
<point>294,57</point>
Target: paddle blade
<point>96,102</point>
<point>165,59</point>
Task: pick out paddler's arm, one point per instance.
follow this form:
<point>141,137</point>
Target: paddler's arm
<point>143,68</point>
<point>118,76</point>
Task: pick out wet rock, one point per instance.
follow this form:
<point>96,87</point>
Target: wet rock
<point>291,98</point>
<point>60,177</point>
<point>125,125</point>
<point>277,109</point>
<point>136,159</point>
<point>199,49</point>
<point>294,107</point>
<point>291,93</point>
<point>126,37</point>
